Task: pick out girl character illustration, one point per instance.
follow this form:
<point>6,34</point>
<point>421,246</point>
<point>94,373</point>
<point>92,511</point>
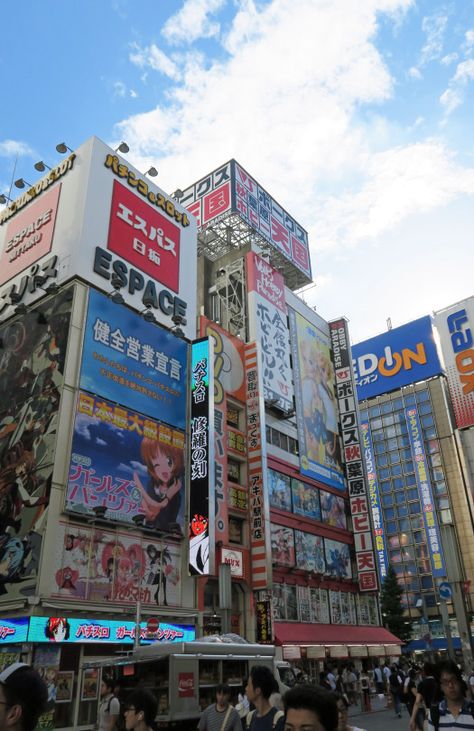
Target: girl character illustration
<point>159,559</point>
<point>57,629</point>
<point>198,544</point>
<point>161,499</point>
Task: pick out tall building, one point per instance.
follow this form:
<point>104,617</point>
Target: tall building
<point>418,468</point>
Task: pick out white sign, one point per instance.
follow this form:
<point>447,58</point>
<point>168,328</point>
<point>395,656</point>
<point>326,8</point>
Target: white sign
<point>235,560</point>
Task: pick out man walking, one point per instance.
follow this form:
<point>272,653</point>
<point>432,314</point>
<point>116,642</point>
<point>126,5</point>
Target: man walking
<point>455,711</point>
<point>260,686</point>
<point>220,716</point>
<point>23,698</point>
<point>310,708</point>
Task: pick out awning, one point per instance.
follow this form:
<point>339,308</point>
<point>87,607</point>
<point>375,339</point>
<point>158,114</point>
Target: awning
<point>299,633</point>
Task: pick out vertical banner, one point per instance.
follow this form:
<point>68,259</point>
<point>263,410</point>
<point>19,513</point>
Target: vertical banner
<point>352,450</point>
<point>263,612</point>
<point>260,551</point>
<point>201,493</point>
<point>425,492</point>
<point>374,496</point>
<point>268,327</point>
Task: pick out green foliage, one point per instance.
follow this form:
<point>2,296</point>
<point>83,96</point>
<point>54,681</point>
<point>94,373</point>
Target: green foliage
<point>391,606</point>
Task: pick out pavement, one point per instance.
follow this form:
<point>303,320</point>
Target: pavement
<point>380,718</point>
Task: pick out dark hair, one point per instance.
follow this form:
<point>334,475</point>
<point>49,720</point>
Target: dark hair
<point>263,678</point>
<point>53,624</point>
<point>428,668</point>
<point>143,700</point>
<point>321,702</point>
<point>26,688</point>
<point>223,688</point>
<point>340,697</point>
<point>108,681</point>
<point>449,666</point>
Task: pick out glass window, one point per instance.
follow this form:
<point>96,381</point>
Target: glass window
<point>416,521</point>
<point>422,396</point>
<point>425,408</point>
<point>377,436</point>
<point>386,408</point>
<point>430,600</point>
<point>391,527</point>
<point>379,447</point>
<point>435,460</point>
<point>427,420</point>
<point>396,469</point>
<point>406,455</point>
<point>410,399</point>
<point>386,486</point>
<point>392,444</point>
<point>422,551</point>
<point>398,483</point>
<point>408,467</point>
<point>395,556</point>
<point>268,434</point>
<point>374,411</point>
<point>404,525</point>
<point>442,503</point>
<point>412,494</point>
<point>402,511</point>
<point>387,500</point>
<point>389,513</point>
<point>414,507</point>
<point>400,498</point>
<point>382,460</point>
<point>388,420</point>
<point>410,480</point>
<point>419,536</point>
<point>375,424</point>
<point>438,474</point>
<point>390,432</point>
<point>364,414</point>
<point>430,433</point>
<point>394,541</point>
<point>404,441</point>
<point>406,538</point>
<point>403,429</point>
<point>384,473</point>
<point>394,457</point>
<point>426,582</point>
<point>440,488</point>
<point>446,517</point>
<point>397,403</point>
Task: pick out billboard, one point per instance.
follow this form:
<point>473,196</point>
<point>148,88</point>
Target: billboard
<point>97,565</point>
<point>268,327</point>
<point>455,326</point>
<point>396,358</point>
<point>279,490</point>
<point>283,545</point>
<point>230,189</point>
<point>13,630</point>
<point>316,406</point>
<point>133,362</point>
<point>310,552</point>
<point>102,631</point>
<point>305,500</point>
<point>126,464</point>
<point>32,360</point>
<point>96,217</point>
<point>333,510</point>
<point>338,559</point>
<point>375,504</point>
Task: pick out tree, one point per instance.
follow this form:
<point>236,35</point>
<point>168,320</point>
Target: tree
<point>391,606</point>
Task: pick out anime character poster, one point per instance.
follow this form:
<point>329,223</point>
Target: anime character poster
<point>279,490</point>
<point>305,500</point>
<point>283,545</point>
<point>338,560</point>
<point>333,510</point>
<point>102,566</point>
<point>31,377</point>
<point>46,662</point>
<point>309,552</point>
<point>126,464</point>
<point>317,413</point>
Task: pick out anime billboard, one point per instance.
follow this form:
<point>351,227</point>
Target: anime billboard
<point>309,552</point>
<point>333,510</point>
<point>31,378</point>
<point>96,565</point>
<point>126,464</point>
<point>338,559</point>
<point>305,500</point>
<point>279,490</point>
<point>283,545</point>
<point>316,405</point>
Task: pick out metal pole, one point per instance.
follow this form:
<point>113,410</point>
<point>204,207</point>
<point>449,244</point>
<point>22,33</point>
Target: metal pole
<point>447,628</point>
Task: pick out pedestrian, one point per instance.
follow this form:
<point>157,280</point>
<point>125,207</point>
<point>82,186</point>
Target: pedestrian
<point>455,711</point>
<point>364,685</point>
<point>396,689</point>
<point>310,708</point>
<point>141,707</point>
<point>351,686</point>
<point>260,686</point>
<point>409,696</point>
<point>331,679</point>
<point>426,695</point>
<point>379,683</point>
<point>343,710</point>
<point>23,697</point>
<point>221,715</point>
<point>470,684</point>
<point>109,706</point>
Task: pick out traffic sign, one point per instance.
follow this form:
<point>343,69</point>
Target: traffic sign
<point>445,590</point>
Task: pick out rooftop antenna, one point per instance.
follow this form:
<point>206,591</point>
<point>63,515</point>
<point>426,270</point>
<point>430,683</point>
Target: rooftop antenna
<point>389,323</point>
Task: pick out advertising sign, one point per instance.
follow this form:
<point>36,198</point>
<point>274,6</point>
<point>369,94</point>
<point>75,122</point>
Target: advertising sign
<point>375,505</point>
<point>126,464</point>
<point>353,457</point>
<point>132,362</point>
<point>263,611</point>
<point>310,552</point>
<point>201,496</point>
<point>425,492</point>
<point>283,545</point>
<point>333,510</point>
<point>268,326</point>
<point>102,566</point>
<point>102,631</point>
<point>396,358</point>
<point>210,197</point>
<point>455,326</point>
<point>13,630</point>
<point>338,559</point>
<point>32,361</point>
<point>235,559</point>
<point>316,405</point>
<point>279,490</point>
<point>305,500</point>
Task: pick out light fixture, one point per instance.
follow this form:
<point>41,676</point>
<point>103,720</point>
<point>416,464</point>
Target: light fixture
<point>52,288</point>
<point>177,319</point>
<point>139,520</point>
<point>15,297</point>
<point>4,198</point>
<point>178,333</point>
<point>178,194</point>
<point>148,315</point>
<point>41,166</point>
<point>21,182</point>
<point>21,309</point>
<point>123,147</point>
<point>152,172</point>
<point>115,296</point>
<point>62,148</point>
<point>99,511</point>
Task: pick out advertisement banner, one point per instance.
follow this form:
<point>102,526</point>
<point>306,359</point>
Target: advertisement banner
<point>375,504</point>
<point>268,327</point>
<point>263,611</point>
<point>333,510</point>
<point>455,326</point>
<point>283,545</point>
<point>13,630</point>
<point>310,552</point>
<point>279,490</point>
<point>396,358</point>
<point>103,631</point>
<point>305,500</point>
<point>316,405</point>
<point>425,492</point>
<point>113,566</point>
<point>338,559</point>
<point>133,362</point>
<point>125,464</point>
<point>201,495</point>
<point>210,197</point>
<point>31,378</point>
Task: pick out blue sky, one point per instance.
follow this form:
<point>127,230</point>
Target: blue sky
<point>355,115</point>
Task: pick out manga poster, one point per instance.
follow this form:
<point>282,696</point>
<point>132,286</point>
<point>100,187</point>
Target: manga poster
<point>31,378</point>
<point>279,490</point>
<point>305,500</point>
<point>333,510</point>
<point>338,559</point>
<point>309,552</point>
<point>367,609</point>
<point>317,413</point>
<point>319,605</point>
<point>283,545</point>
<point>342,605</point>
<point>126,464</point>
<point>97,565</point>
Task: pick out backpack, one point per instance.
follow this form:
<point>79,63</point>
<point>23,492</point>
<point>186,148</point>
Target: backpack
<point>276,718</point>
<point>435,714</point>
<point>120,722</point>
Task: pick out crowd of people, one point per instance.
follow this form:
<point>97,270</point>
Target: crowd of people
<point>437,698</point>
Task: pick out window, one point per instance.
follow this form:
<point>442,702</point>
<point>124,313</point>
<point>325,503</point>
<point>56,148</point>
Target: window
<point>410,399</point>
<point>374,411</point>
<point>396,469</point>
<point>233,470</point>
<point>442,503</point>
<point>419,536</point>
<point>412,494</point>
<point>404,525</point>
<point>386,408</point>
<point>440,488</point>
<point>385,486</point>
<point>446,517</point>
<point>398,483</point>
<point>404,441</point>
<point>426,582</point>
<point>390,431</point>
<point>384,474</point>
<point>402,511</point>
<point>234,416</point>
<point>236,530</point>
<point>379,447</point>
<point>392,444</point>
<point>424,408</point>
<point>416,521</point>
<point>391,527</point>
<point>364,415</point>
<point>376,424</point>
<point>388,420</point>
<point>377,436</point>
<point>382,460</point>
<point>389,513</point>
<point>430,433</point>
<point>410,480</point>
<point>422,396</point>
<point>387,500</point>
<point>397,403</point>
<point>427,420</point>
<point>400,498</point>
<point>408,467</point>
<point>406,455</point>
<point>394,457</point>
<point>414,507</point>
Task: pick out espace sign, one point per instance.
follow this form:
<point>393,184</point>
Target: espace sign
<point>396,358</point>
<point>101,220</point>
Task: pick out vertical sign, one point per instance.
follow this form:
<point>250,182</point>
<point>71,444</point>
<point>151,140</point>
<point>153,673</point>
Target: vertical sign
<point>374,496</point>
<point>425,492</point>
<point>263,612</point>
<point>201,495</point>
<point>352,451</point>
<point>258,495</point>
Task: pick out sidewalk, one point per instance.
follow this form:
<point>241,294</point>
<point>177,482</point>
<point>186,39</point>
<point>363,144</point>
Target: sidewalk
<point>378,704</point>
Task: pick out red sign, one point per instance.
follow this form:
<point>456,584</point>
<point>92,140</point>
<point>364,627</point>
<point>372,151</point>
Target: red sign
<point>186,685</point>
<point>152,625</point>
<point>142,236</point>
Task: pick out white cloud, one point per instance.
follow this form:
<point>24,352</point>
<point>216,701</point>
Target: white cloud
<point>449,59</point>
<point>415,73</point>
<point>133,93</point>
<point>10,148</point>
<point>469,36</point>
<point>434,26</point>
<point>153,57</point>
<point>192,21</point>
<point>119,89</point>
<point>453,96</point>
